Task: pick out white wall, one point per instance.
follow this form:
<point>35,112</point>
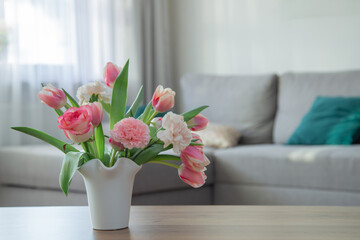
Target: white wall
<point>261,36</point>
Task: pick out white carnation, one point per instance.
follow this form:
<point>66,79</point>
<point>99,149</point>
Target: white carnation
<point>85,92</point>
<point>176,132</point>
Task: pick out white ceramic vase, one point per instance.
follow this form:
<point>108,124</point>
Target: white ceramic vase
<point>109,192</point>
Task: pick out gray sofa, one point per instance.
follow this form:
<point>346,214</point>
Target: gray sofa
<point>260,170</point>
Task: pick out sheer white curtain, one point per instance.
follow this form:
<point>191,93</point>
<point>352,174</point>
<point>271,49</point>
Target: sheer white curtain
<point>63,42</point>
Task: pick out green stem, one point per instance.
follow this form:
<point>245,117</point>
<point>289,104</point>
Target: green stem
<point>95,147</point>
<point>151,117</point>
<point>112,159</point>
<point>59,112</point>
<point>67,106</point>
<point>92,151</point>
<point>85,146</point>
<point>165,163</point>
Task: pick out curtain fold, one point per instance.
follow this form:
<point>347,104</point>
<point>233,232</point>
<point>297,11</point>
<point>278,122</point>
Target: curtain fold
<point>66,43</point>
<point>154,42</point>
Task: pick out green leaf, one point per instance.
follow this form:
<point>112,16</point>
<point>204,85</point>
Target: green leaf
<point>153,131</point>
<point>134,107</point>
<point>196,144</point>
<point>166,157</point>
<point>165,163</point>
<point>119,94</point>
<point>70,164</point>
<point>62,146</point>
<point>71,99</point>
<point>106,106</point>
<point>100,142</point>
<point>135,151</point>
<point>145,115</point>
<point>191,114</point>
<point>149,153</point>
<point>106,160</point>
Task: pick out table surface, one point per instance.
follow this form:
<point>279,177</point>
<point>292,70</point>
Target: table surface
<point>186,222</point>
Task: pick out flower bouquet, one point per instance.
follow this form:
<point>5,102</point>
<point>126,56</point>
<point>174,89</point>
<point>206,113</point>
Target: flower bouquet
<point>109,173</point>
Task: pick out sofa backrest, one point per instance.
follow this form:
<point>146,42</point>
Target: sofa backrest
<point>297,92</point>
<point>245,102</point>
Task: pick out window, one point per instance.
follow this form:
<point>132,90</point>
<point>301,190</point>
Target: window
<point>40,32</point>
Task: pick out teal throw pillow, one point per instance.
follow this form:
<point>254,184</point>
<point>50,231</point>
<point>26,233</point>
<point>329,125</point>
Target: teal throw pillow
<point>347,131</point>
<point>327,117</point>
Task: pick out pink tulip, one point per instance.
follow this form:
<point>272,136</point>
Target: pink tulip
<point>163,99</point>
<point>199,121</point>
<point>118,146</point>
<point>194,158</point>
<point>194,179</point>
<point>76,123</point>
<point>97,113</point>
<point>52,96</point>
<point>111,72</point>
<point>79,138</point>
<point>157,122</point>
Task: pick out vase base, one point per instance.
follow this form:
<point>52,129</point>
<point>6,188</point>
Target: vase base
<point>116,229</point>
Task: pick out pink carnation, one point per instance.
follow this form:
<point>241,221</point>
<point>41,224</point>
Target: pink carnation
<point>131,132</point>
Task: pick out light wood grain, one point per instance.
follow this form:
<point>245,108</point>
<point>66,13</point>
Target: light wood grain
<point>186,222</point>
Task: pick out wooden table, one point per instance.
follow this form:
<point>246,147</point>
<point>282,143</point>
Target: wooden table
<point>186,222</point>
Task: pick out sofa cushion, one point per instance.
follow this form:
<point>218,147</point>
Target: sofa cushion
<point>321,167</point>
<point>268,195</point>
<point>245,102</point>
<point>38,166</point>
<point>297,92</point>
